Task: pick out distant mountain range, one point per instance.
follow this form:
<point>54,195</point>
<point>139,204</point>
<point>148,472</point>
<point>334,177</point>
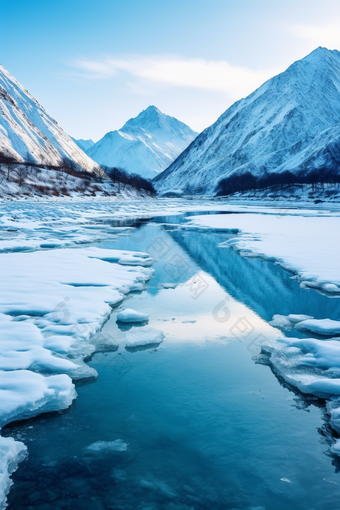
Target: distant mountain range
<point>291,123</point>
<point>27,132</point>
<point>145,145</point>
<point>288,126</point>
<point>83,144</point>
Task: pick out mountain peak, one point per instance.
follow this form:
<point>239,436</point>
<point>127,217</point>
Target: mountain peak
<point>152,109</point>
<point>146,144</point>
<point>147,119</point>
<point>290,124</point>
<point>320,53</point>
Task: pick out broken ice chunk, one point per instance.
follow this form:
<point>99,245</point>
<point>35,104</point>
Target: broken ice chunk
<point>143,336</point>
<point>130,315</point>
<point>287,322</point>
<point>107,446</point>
<point>295,318</point>
<point>326,327</point>
<point>281,321</point>
<point>169,285</point>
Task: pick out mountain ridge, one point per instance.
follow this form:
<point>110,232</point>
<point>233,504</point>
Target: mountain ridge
<point>266,131</point>
<point>27,131</point>
<point>83,144</point>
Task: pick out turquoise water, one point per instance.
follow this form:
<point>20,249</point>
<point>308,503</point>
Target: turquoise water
<point>206,426</point>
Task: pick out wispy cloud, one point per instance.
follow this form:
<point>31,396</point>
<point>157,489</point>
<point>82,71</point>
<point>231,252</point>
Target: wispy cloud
<point>319,35</point>
<point>177,71</point>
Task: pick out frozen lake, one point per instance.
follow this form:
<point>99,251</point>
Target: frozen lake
<point>204,424</point>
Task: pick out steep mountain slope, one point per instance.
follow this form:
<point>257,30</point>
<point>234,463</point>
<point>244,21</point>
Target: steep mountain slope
<point>292,122</point>
<point>27,132</point>
<point>83,144</point>
<point>145,145</point>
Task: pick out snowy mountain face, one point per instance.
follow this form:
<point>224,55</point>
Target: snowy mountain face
<point>83,144</point>
<point>291,123</point>
<point>145,145</point>
<point>28,133</point>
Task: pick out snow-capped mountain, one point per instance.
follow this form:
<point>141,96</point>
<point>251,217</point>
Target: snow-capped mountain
<point>291,123</point>
<point>145,145</point>
<point>27,132</point>
<point>83,144</point>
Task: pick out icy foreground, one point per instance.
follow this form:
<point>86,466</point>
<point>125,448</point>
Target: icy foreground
<point>48,335</point>
<point>52,304</point>
<point>26,129</point>
<point>291,123</point>
<point>145,145</point>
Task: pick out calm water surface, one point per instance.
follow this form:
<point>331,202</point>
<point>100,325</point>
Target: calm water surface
<point>207,427</point>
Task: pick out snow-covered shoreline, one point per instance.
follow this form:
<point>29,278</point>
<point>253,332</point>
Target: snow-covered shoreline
<point>307,245</point>
<point>52,305</point>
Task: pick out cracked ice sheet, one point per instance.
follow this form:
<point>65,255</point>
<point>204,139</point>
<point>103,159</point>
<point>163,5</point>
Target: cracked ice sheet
<point>307,245</point>
<point>16,238</point>
<point>312,366</point>
<point>51,304</point>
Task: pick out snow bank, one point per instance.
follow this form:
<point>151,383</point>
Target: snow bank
<point>137,337</point>
<point>306,245</point>
<point>130,315</point>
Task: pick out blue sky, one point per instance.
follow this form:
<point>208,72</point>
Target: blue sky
<point>93,65</point>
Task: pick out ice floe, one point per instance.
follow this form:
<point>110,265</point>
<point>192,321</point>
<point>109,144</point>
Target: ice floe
<point>326,327</point>
<point>107,446</point>
<point>295,318</point>
<point>129,315</point>
<point>288,321</point>
<point>313,367</point>
<point>138,337</point>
